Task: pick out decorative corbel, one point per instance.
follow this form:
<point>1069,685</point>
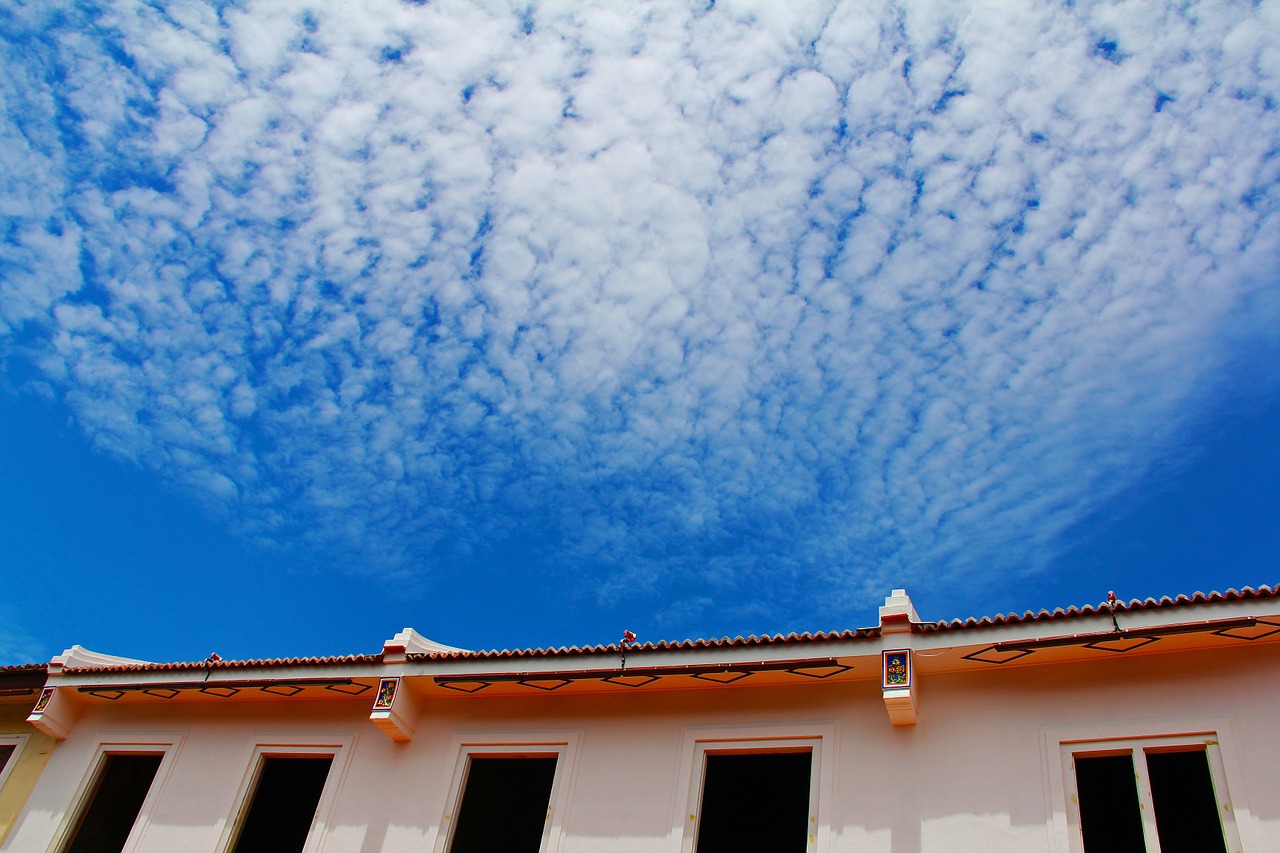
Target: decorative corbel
<point>395,709</point>
<point>55,712</point>
<point>897,681</point>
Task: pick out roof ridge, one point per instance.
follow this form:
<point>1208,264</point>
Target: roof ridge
<point>1246,593</point>
<point>657,645</point>
<point>231,664</point>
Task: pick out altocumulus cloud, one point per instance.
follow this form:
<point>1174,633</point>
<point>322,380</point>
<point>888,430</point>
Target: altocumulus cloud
<point>826,294</point>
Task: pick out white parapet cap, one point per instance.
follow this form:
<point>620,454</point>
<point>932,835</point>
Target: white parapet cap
<point>898,610</point>
<point>410,642</point>
<point>78,657</point>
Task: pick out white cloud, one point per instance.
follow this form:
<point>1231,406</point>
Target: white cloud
<point>767,290</point>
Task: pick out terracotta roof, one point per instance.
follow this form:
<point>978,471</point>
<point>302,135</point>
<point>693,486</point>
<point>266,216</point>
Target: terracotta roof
<point>1245,594</point>
<point>232,664</point>
<point>661,645</point>
<point>22,679</point>
<point>23,667</point>
<point>1131,606</point>
<point>1029,616</point>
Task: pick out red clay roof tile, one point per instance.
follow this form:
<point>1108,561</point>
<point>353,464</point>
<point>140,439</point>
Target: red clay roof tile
<point>336,660</point>
<point>661,645</point>
<point>1131,606</point>
<point>1029,616</point>
<point>23,667</point>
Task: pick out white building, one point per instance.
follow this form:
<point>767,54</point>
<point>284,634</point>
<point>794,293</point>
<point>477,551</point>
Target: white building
<point>1143,725</point>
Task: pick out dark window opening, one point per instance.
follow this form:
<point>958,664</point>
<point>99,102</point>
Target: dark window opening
<point>504,804</point>
<point>284,804</point>
<point>757,801</point>
<point>6,752</point>
<point>1183,801</point>
<point>113,803</point>
<point>1185,804</point>
<point>1110,818</point>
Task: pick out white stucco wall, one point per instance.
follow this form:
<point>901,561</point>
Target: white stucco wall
<point>977,773</point>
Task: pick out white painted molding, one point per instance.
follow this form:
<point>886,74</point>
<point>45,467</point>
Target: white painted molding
<point>78,657</point>
<point>410,642</point>
<point>898,613</point>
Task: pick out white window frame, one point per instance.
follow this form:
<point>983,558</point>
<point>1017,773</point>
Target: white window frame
<point>19,742</point>
<point>750,740</point>
<point>1137,748</point>
<point>562,746</point>
<point>166,746</point>
<point>339,747</point>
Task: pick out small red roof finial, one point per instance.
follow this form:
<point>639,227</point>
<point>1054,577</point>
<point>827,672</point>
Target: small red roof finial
<point>628,637</point>
<point>1112,604</point>
<point>213,657</point>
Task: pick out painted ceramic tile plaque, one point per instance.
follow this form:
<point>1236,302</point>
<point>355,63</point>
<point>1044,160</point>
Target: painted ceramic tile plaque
<point>386,693</point>
<point>897,669</point>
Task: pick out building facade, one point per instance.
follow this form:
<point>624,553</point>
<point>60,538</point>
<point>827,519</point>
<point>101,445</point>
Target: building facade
<point>1131,725</point>
<point>24,749</point>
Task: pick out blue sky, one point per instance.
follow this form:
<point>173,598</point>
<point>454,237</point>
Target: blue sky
<point>521,324</point>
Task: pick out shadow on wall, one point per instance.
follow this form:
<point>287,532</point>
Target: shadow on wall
<point>905,829</point>
<point>375,835</point>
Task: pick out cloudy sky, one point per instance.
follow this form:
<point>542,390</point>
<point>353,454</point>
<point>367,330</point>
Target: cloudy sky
<point>524,323</point>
